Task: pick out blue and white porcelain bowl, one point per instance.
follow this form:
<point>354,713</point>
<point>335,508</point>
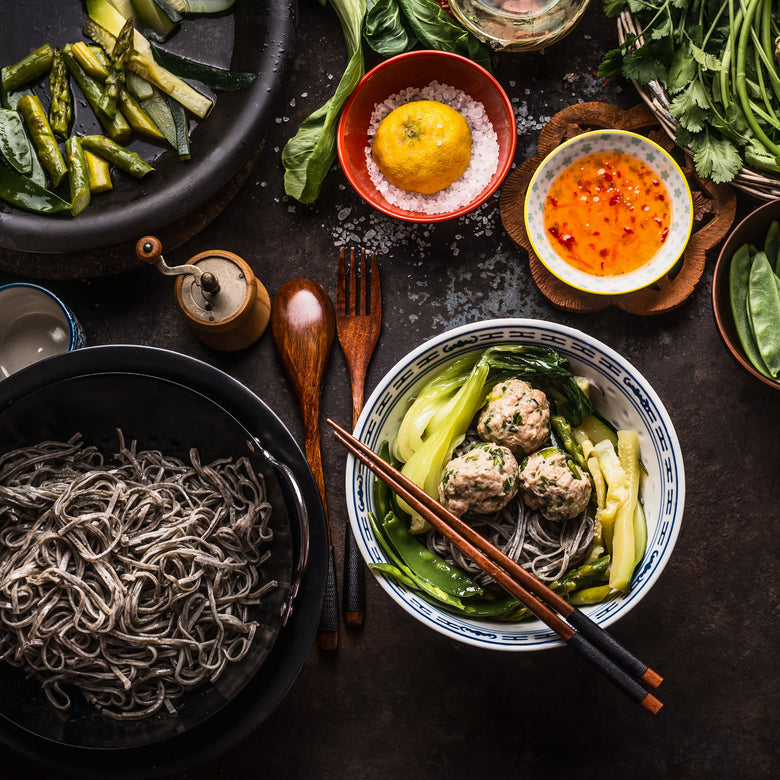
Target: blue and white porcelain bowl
<point>626,399</point>
<point>648,152</point>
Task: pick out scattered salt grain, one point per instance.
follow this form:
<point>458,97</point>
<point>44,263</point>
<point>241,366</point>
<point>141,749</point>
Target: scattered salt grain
<point>484,151</point>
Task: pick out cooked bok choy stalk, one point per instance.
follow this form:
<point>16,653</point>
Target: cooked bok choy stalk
<point>105,24</point>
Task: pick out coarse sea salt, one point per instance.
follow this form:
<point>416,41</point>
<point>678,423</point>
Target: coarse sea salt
<point>484,151</point>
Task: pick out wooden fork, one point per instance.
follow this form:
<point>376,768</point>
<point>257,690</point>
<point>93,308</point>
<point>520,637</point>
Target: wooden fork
<point>358,322</point>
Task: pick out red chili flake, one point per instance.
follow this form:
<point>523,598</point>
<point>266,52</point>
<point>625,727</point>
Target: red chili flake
<point>553,201</point>
<point>664,234</point>
<point>604,253</point>
<point>656,183</point>
<point>657,221</point>
<point>662,197</point>
<point>565,240</point>
<point>628,229</point>
<point>607,176</point>
<point>614,199</point>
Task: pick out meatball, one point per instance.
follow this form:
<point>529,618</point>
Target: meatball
<point>483,480</point>
<point>554,485</point>
<point>517,416</point>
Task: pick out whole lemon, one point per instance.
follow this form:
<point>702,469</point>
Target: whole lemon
<point>422,146</point>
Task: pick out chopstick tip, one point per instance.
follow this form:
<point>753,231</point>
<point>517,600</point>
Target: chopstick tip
<point>651,704</point>
<point>651,678</point>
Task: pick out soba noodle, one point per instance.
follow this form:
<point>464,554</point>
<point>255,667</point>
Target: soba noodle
<point>132,581</point>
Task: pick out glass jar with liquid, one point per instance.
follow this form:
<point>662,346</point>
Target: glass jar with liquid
<point>519,25</point>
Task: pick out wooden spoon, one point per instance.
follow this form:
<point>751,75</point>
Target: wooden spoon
<point>304,325</point>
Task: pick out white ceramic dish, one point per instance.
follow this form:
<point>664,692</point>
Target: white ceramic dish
<point>647,151</point>
<point>628,401</point>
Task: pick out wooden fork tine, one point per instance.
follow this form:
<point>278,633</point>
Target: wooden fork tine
<point>341,298</point>
<point>363,273</point>
<point>376,293</point>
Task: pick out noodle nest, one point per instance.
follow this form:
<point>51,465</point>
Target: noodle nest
<point>133,581</point>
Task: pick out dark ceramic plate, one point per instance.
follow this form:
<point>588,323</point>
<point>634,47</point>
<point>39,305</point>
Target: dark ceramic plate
<point>257,37</point>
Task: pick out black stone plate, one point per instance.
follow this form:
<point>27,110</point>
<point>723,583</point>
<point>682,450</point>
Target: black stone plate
<point>258,36</point>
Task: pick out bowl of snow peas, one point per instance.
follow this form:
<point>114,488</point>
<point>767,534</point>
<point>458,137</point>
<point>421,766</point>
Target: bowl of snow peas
<point>544,440</point>
<point>746,293</point>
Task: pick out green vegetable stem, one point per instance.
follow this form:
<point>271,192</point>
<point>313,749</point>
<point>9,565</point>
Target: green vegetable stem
<point>115,80</point>
<point>78,176</point>
<point>116,127</point>
<point>43,138</point>
<point>61,107</point>
<point>118,155</point>
<point>30,68</point>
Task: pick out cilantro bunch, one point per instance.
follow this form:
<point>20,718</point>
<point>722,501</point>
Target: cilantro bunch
<point>717,60</point>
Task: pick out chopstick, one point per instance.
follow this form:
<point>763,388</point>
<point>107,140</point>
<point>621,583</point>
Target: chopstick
<point>602,650</point>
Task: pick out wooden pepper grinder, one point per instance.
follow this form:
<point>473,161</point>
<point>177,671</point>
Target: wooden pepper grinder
<point>225,304</point>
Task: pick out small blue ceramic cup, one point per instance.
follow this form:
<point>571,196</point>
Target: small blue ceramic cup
<point>34,324</point>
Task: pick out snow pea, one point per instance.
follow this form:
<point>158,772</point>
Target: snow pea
<point>739,275</point>
<point>406,575</point>
<point>24,193</point>
<point>764,307</point>
<point>425,565</point>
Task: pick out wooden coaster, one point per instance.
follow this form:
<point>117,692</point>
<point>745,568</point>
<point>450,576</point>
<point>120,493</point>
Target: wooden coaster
<point>714,209</point>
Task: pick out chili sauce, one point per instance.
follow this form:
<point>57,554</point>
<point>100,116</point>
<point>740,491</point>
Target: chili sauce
<point>607,213</point>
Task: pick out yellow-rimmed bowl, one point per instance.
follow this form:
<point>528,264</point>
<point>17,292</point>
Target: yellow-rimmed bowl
<point>655,157</point>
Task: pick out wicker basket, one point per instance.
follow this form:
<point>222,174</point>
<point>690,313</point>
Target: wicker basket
<point>756,184</point>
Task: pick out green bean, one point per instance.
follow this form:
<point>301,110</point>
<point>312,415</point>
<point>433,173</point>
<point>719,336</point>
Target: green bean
<point>31,67</point>
<point>764,307</point>
<point>741,80</point>
<point>123,158</point>
<point>43,138</point>
<point>78,174</point>
<point>739,274</point>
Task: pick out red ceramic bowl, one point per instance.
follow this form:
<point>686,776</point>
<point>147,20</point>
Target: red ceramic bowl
<point>751,230</point>
<point>418,69</point>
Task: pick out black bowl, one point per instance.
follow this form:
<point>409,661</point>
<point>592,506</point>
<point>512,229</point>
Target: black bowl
<point>170,402</point>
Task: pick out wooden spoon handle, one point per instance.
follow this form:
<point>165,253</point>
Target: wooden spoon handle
<point>328,629</point>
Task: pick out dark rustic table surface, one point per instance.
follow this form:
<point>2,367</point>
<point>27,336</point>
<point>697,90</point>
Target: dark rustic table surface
<point>397,700</point>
